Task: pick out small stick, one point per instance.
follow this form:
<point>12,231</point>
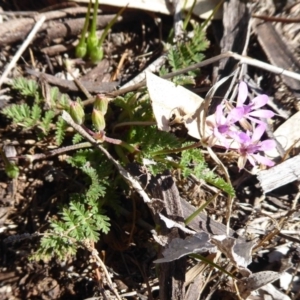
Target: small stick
<point>78,83</point>
<point>243,60</point>
<point>126,175</point>
<point>120,64</point>
<point>95,254</point>
<point>276,19</point>
<point>22,48</point>
<point>57,151</point>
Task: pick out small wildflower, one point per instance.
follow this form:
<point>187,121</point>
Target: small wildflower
<point>250,145</point>
<point>250,111</point>
<point>222,127</point>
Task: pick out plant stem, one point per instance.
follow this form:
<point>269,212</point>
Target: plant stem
<point>58,151</point>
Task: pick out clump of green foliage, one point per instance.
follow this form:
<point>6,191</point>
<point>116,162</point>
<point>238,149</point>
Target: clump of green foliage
<point>85,216</point>
<point>33,115</point>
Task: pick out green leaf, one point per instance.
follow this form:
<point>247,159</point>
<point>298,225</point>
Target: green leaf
<point>46,121</point>
<point>192,162</point>
<point>61,126</point>
<point>26,87</point>
<point>77,138</point>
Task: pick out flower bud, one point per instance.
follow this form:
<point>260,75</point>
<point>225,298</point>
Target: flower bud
<point>80,50</point>
<point>95,54</point>
<point>98,119</point>
<point>76,112</point>
<point>101,103</point>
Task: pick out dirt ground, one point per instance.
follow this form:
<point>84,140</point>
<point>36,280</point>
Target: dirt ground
<point>43,187</point>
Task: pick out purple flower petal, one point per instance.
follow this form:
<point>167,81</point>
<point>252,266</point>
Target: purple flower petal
<point>242,138</point>
<point>236,114</point>
<point>263,160</point>
<point>259,101</point>
<point>267,145</point>
<point>243,93</point>
<point>262,113</point>
<point>258,132</point>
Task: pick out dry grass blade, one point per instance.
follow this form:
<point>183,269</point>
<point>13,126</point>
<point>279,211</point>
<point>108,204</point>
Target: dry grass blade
<point>23,47</point>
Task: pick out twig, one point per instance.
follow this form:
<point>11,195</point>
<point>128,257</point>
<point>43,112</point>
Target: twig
<point>277,19</point>
<point>243,60</point>
<point>126,175</point>
<point>22,48</point>
<point>78,83</point>
<point>92,87</point>
<point>95,254</point>
<point>57,151</point>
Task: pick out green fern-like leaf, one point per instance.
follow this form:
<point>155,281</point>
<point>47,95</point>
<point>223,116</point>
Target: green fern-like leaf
<point>102,222</point>
<point>80,158</point>
<point>63,102</point>
<point>96,189</point>
<point>219,183</point>
<point>152,143</point>
<point>54,96</point>
<point>150,140</point>
<point>174,59</point>
<point>59,227</point>
<point>36,113</point>
<point>134,109</point>
<point>158,167</point>
<point>184,54</point>
<point>26,87</point>
<point>21,114</point>
<point>192,162</point>
<point>77,138</point>
<point>55,245</point>
<point>46,121</point>
<point>61,126</point>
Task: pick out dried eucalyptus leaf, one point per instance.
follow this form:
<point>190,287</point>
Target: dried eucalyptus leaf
<point>238,253</point>
<point>169,99</point>
<point>200,242</point>
<point>256,281</point>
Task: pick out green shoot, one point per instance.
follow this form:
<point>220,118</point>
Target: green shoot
<point>92,40</point>
<point>81,48</point>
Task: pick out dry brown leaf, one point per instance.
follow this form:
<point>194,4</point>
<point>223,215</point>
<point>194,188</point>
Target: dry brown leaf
<point>239,253</point>
<point>169,99</point>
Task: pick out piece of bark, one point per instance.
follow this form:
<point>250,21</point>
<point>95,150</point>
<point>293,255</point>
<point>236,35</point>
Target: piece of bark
<point>280,175</point>
<point>195,287</point>
<point>278,52</point>
<point>68,85</point>
<point>165,200</point>
<point>235,22</point>
<point>172,274</point>
<point>16,30</point>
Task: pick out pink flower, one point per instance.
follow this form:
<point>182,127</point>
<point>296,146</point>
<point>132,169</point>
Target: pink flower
<point>250,145</point>
<point>221,127</point>
<point>250,111</point>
